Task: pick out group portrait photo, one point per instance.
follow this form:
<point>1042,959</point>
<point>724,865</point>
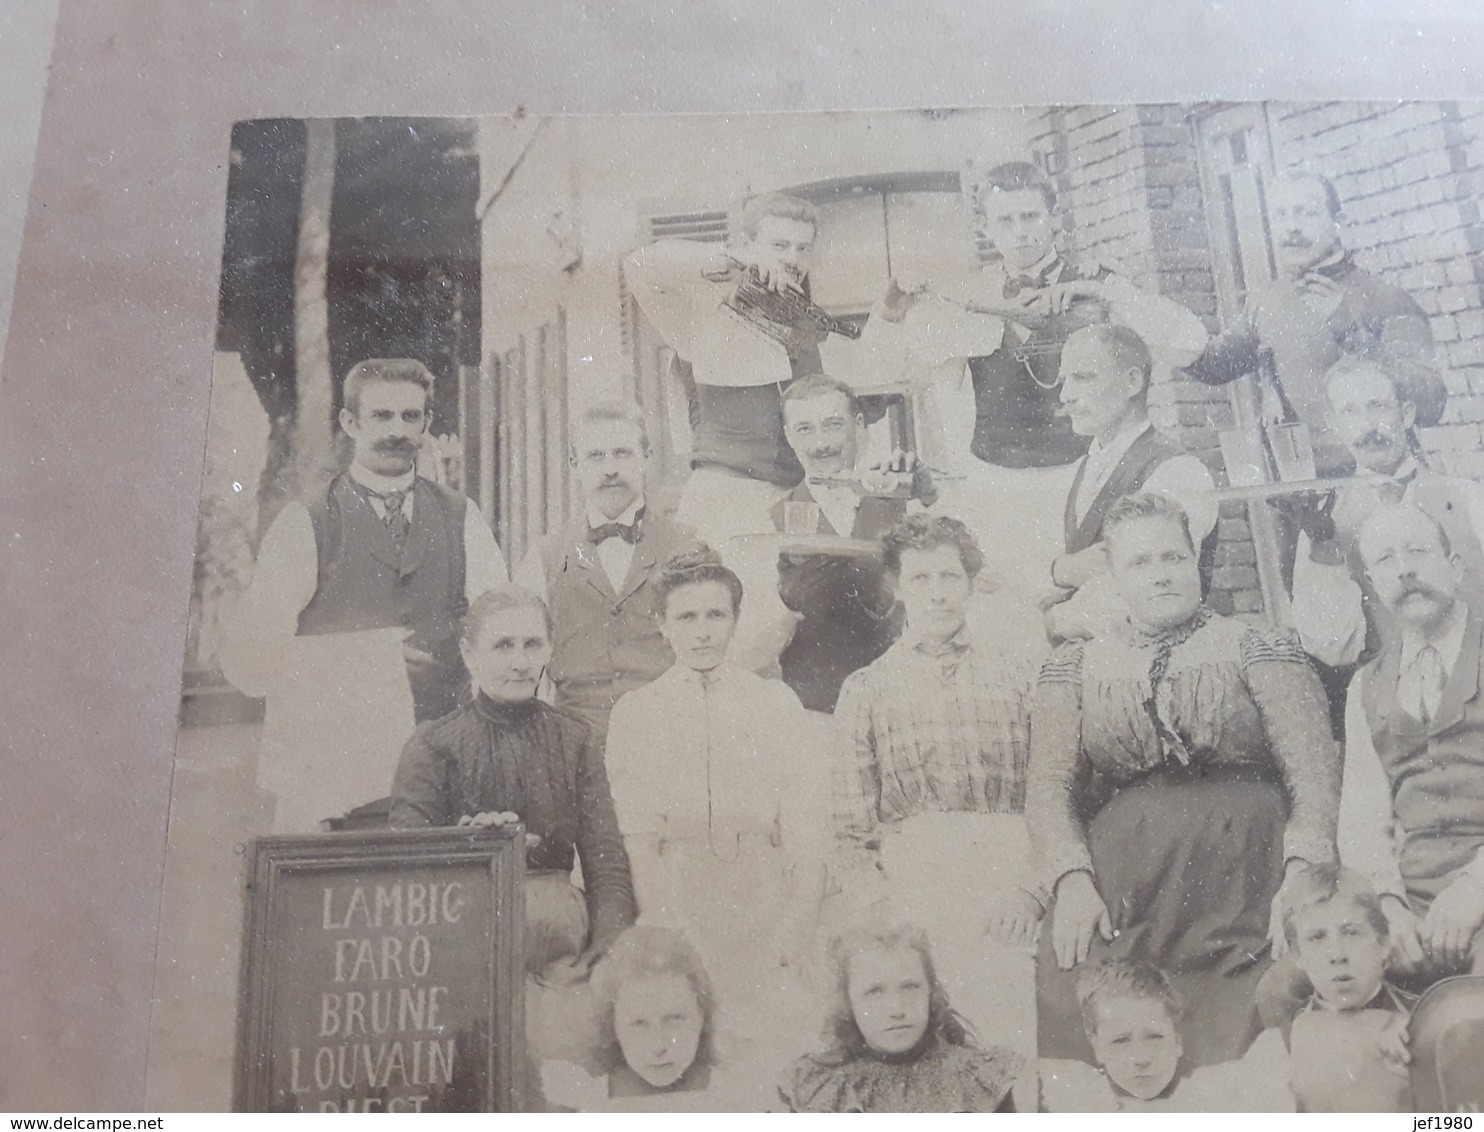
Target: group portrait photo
<point>922,611</point>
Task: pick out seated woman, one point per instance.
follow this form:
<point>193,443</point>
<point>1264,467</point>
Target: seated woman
<point>657,1036</point>
<point>1200,746</point>
<point>504,756</point>
<point>892,1042</point>
<point>712,780</point>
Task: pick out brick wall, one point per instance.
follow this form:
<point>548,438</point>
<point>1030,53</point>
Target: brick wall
<point>1129,181</point>
<point>1129,185</point>
<point>1407,175</point>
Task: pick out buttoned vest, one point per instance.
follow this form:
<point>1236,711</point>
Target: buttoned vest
<point>1017,390</point>
<point>367,581</point>
<point>1436,771</point>
<point>606,642</point>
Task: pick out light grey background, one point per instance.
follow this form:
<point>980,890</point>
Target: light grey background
<point>104,388</point>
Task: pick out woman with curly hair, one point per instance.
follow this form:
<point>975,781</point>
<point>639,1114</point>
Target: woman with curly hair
<point>891,1042</point>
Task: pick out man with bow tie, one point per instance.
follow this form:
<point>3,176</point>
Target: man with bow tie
<point>350,626</point>
<point>598,573</point>
<point>1414,763</point>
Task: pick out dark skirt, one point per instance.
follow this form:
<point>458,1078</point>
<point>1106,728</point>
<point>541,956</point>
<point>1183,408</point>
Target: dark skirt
<point>1188,864</point>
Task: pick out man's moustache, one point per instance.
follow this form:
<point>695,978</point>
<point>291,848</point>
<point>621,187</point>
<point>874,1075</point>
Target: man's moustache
<point>1420,589</point>
<point>1371,440</point>
<point>395,446</point>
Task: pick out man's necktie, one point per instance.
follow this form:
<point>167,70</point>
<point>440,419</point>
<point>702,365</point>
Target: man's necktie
<point>1430,680</point>
<point>392,513</point>
<point>629,532</point>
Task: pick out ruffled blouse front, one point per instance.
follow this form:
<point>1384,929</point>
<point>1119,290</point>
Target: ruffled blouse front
<point>943,1078</point>
<point>1213,693</point>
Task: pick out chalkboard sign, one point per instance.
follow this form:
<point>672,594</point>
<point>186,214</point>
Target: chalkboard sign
<point>382,972</point>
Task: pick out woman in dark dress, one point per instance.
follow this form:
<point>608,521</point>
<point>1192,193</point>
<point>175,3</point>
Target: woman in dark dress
<point>1182,782</point>
<point>504,756</point>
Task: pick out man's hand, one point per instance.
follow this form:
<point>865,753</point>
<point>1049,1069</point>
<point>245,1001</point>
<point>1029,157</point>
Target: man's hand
<point>1017,921</point>
<point>1404,932</point>
<point>1077,918</point>
<point>1299,887</point>
<point>1323,293</point>
<point>1059,297</point>
<point>1449,928</point>
<point>1313,512</point>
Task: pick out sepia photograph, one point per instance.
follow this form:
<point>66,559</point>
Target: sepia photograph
<point>920,611</point>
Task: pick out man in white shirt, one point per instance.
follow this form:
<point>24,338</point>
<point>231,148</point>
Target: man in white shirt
<point>350,627</point>
<point>597,574</point>
<point>739,314</point>
<point>1412,806</point>
<point>1105,374</point>
<point>997,332</point>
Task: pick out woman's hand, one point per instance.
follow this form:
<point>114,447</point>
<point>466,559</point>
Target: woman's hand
<point>486,819</point>
<point>1078,916</point>
<point>1017,921</point>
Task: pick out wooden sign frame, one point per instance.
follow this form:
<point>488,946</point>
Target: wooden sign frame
<point>274,859</point>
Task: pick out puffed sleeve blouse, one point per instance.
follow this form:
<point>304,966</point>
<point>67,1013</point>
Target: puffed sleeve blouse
<point>1212,693</point>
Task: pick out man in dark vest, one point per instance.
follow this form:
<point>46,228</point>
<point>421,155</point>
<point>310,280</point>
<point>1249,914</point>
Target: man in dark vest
<point>1414,761</point>
<point>1005,325</point>
<point>741,316</point>
<point>350,626</point>
<point>597,574</point>
<point>846,610</point>
<point>1105,377</point>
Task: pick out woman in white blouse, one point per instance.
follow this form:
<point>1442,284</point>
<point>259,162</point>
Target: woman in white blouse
<point>718,787</point>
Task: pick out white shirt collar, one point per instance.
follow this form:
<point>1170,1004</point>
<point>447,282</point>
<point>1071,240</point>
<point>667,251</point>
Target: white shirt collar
<point>1123,440</point>
<point>596,518</point>
<point>380,484</point>
<point>1449,644</point>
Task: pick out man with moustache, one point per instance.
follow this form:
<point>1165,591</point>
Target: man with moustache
<point>1004,326</point>
<point>736,313</point>
<point>1105,372</point>
<point>1375,406</point>
<point>1321,307</point>
<point>597,575</point>
<point>847,614</point>
<point>1414,763</point>
<point>350,626</point>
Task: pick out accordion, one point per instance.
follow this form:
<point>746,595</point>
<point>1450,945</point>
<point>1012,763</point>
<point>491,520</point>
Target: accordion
<point>786,315</point>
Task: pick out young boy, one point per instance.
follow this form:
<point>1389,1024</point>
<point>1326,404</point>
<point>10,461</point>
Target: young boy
<point>1348,1048</point>
<point>1132,1015</point>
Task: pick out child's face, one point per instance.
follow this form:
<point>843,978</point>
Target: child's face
<point>658,1022</point>
<point>1138,1045</point>
<point>890,998</point>
<point>1340,952</point>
